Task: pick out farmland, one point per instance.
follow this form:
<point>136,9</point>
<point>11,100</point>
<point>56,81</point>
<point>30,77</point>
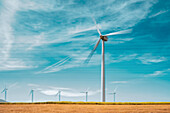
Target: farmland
<point>85,108</point>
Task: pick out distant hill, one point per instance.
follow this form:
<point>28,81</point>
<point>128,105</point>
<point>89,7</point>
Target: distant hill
<point>2,100</point>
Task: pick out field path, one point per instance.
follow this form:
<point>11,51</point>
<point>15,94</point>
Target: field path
<point>72,108</point>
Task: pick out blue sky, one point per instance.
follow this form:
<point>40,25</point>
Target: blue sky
<point>43,45</point>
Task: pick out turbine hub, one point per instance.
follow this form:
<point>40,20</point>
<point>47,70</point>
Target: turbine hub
<point>104,38</point>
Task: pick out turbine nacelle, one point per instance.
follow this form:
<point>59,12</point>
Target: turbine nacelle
<point>104,38</point>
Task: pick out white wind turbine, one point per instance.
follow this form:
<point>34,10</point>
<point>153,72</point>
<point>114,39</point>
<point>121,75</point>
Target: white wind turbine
<point>59,95</point>
<point>5,91</point>
<point>114,94</point>
<point>103,38</point>
<point>86,92</point>
<point>32,95</point>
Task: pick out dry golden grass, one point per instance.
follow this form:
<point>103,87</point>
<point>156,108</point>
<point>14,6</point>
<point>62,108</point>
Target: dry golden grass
<point>76,108</point>
<point>93,103</point>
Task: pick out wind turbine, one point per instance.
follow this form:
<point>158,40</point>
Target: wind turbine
<point>114,94</point>
<point>59,95</point>
<point>86,92</point>
<point>32,94</point>
<point>5,91</point>
<point>103,38</point>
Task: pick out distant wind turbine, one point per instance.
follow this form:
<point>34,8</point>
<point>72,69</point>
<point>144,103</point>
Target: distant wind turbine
<point>86,92</point>
<point>5,91</point>
<point>32,95</point>
<point>114,94</point>
<point>59,95</point>
<point>103,38</point>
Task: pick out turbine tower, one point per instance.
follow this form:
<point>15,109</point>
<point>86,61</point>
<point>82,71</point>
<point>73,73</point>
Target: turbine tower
<point>104,38</point>
<point>59,95</point>
<point>86,92</point>
<point>32,95</point>
<point>5,91</point>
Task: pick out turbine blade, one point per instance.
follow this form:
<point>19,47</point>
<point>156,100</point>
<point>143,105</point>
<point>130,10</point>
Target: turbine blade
<point>87,89</point>
<point>119,32</point>
<point>91,54</point>
<point>3,91</point>
<point>110,93</point>
<point>57,94</point>
<point>115,90</point>
<point>96,26</point>
<point>30,92</point>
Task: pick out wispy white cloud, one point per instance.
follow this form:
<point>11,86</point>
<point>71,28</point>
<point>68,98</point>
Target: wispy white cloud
<point>63,93</point>
<point>41,5</point>
<point>38,40</point>
<point>49,92</point>
<point>37,86</point>
<point>158,73</point>
<point>13,85</point>
<point>72,94</point>
<point>76,62</point>
<point>61,88</point>
<point>9,42</point>
<point>119,82</point>
<point>119,40</point>
<point>68,93</point>
<point>149,59</point>
<point>124,58</point>
<point>52,90</point>
<point>11,64</point>
<point>140,13</point>
<point>158,13</point>
<point>6,31</point>
<point>7,37</point>
<point>55,66</point>
<point>33,85</point>
<point>125,18</point>
<point>124,39</point>
<point>80,29</point>
<point>78,94</point>
<point>10,85</point>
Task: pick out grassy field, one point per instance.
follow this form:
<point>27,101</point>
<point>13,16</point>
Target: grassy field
<point>94,103</point>
<point>83,107</point>
<point>78,108</point>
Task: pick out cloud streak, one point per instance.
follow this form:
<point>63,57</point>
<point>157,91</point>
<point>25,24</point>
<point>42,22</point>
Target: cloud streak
<point>68,93</point>
<point>7,37</point>
<point>158,73</point>
<point>43,28</point>
<point>149,59</point>
<point>55,66</point>
<point>80,28</point>
<point>159,13</point>
<point>146,59</point>
<point>119,82</point>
